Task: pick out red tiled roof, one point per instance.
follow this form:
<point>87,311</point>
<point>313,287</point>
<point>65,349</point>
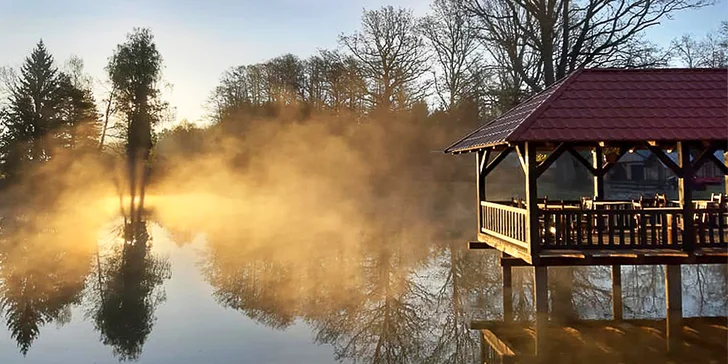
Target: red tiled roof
<point>615,105</point>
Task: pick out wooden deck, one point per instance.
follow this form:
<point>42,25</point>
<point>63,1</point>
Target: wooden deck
<point>704,340</point>
<point>574,257</point>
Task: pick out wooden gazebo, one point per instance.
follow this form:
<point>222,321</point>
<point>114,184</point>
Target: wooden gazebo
<point>607,113</point>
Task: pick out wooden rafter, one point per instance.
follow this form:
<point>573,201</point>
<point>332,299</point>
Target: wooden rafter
<point>718,163</point>
<point>484,158</point>
<point>496,161</point>
<point>521,157</point>
<point>546,163</point>
<point>582,160</point>
<point>657,151</point>
<point>608,165</point>
<point>709,155</point>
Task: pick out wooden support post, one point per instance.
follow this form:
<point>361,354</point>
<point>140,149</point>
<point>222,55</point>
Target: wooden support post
<point>725,162</point>
<point>507,292</point>
<point>598,165</point>
<point>541,297</point>
<point>617,293</point>
<point>481,160</point>
<point>673,299</point>
<point>531,175</point>
<point>685,191</point>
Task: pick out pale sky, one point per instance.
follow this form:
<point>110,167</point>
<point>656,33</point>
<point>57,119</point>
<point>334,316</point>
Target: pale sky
<point>200,39</point>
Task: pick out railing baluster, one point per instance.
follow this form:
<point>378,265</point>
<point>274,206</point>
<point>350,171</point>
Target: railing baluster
<point>621,218</point>
<point>653,227</point>
<point>663,229</point>
<point>721,225</point>
<point>711,226</point>
<point>643,228</point>
<point>567,228</point>
<point>579,218</point>
<point>675,229</point>
<point>632,227</point>
<point>610,226</point>
<point>600,227</point>
<point>701,228</point>
<point>589,217</point>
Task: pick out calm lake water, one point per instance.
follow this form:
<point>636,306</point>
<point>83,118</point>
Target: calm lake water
<point>177,295</point>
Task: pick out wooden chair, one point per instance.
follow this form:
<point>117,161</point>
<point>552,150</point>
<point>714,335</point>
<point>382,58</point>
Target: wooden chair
<point>660,200</point>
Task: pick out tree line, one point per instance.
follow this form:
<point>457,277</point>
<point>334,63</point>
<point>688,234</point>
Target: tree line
<point>480,57</point>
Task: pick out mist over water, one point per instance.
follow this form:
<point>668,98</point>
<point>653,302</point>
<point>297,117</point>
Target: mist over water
<point>312,237</point>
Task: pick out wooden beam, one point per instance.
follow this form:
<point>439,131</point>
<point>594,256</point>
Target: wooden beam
<point>484,158</point>
<point>685,193</point>
<point>521,156</point>
<point>677,169</point>
<point>555,154</point>
<point>496,161</point>
<point>721,165</point>
<point>607,166</point>
<point>704,157</point>
<point>531,176</point>
<point>583,160</point>
<point>480,160</point>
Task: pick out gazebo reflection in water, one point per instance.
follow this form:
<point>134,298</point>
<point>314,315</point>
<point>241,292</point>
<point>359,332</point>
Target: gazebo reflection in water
<point>606,113</point>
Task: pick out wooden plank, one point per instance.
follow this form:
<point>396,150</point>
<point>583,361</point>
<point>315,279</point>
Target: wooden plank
<point>505,237</point>
<point>498,345</point>
<point>503,207</point>
<point>506,247</point>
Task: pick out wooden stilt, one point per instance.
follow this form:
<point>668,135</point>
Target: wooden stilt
<point>617,313</point>
<point>673,298</point>
<point>507,293</point>
<point>541,297</point>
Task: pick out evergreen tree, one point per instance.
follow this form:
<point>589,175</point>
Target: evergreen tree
<point>33,109</point>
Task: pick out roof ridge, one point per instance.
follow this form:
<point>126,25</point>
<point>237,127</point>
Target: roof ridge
<point>531,118</point>
<point>616,69</point>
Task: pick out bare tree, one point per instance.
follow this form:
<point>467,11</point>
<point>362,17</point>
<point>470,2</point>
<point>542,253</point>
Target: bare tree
<point>711,52</point>
<point>392,55</point>
<point>454,43</point>
<point>547,39</point>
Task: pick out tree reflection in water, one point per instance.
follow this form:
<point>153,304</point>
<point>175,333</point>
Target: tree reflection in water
<point>128,291</point>
<point>43,265</point>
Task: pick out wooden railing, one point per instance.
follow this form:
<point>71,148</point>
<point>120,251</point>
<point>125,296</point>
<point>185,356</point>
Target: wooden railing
<point>629,228</point>
<point>711,227</point>
<point>505,222</point>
